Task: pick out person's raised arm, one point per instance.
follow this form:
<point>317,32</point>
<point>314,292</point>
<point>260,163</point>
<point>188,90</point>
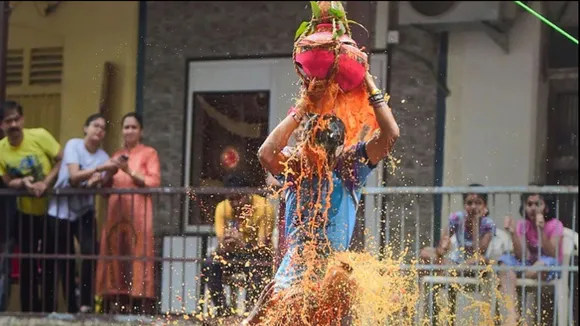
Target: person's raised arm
<point>51,176</point>
<point>550,242</point>
<point>270,153</point>
<point>382,143</point>
<point>518,249</point>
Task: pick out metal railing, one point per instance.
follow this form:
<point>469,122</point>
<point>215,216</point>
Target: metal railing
<point>175,246</point>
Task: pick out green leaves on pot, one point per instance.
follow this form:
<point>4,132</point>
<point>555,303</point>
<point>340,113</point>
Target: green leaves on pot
<point>337,13</point>
<point>341,29</point>
<point>315,9</point>
<point>301,29</point>
<point>359,24</point>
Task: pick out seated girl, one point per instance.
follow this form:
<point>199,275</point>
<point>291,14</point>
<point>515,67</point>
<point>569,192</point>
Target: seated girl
<point>473,230</point>
<point>537,241</point>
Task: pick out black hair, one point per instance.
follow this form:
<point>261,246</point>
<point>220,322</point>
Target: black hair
<point>10,105</point>
<point>548,199</point>
<point>135,115</point>
<point>94,117</point>
<point>483,196</point>
<point>331,136</point>
<point>235,181</point>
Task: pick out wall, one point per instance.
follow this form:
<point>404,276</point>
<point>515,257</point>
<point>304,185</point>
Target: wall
<point>414,103</point>
<point>492,132</point>
<point>91,33</point>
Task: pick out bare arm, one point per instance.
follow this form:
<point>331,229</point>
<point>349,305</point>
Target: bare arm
<point>270,153</point>
<point>519,242</point>
<point>550,245</point>
<point>16,183</point>
<point>77,176</point>
<point>484,243</point>
<point>445,242</point>
<point>137,177</point>
<point>518,248</point>
<point>51,177</point>
<point>382,143</point>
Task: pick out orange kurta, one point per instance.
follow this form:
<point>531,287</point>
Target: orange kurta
<point>128,231</point>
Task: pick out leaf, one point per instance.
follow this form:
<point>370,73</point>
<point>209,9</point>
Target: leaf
<point>360,25</point>
<point>315,9</point>
<point>301,29</point>
<point>341,28</point>
<point>336,13</point>
<point>336,5</point>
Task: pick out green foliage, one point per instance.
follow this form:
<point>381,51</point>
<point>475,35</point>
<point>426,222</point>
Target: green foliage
<point>359,24</point>
<point>315,9</point>
<point>341,29</point>
<point>337,13</point>
<point>301,29</point>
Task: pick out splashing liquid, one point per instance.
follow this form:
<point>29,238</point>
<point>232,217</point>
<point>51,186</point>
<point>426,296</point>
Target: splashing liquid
<point>340,288</point>
<point>346,288</point>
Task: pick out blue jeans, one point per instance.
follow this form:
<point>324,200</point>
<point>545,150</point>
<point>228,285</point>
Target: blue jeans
<point>511,260</point>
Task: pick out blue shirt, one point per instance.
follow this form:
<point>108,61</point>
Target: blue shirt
<point>348,179</point>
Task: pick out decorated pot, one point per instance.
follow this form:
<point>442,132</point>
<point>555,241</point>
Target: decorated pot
<point>316,58</point>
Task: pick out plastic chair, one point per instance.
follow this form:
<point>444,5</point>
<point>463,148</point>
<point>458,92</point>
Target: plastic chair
<point>558,285</point>
<point>500,244</point>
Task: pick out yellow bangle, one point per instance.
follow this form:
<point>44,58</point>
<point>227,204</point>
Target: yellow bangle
<point>375,91</point>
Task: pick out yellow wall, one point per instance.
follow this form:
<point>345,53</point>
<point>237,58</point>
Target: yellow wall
<point>91,33</point>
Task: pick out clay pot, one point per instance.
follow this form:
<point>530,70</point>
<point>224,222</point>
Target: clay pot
<point>315,58</point>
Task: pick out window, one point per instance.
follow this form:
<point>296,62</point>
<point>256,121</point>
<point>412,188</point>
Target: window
<point>228,129</point>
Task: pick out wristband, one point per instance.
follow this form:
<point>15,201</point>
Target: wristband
<point>376,99</point>
<point>297,117</point>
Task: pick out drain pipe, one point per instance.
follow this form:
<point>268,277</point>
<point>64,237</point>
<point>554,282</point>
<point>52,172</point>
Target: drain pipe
<point>392,40</point>
<point>5,5</point>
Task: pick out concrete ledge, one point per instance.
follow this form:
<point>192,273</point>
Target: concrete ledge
<point>59,319</point>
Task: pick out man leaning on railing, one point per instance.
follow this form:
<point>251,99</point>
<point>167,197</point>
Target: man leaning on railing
<point>29,160</point>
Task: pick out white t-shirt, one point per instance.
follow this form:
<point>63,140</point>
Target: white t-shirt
<point>71,207</point>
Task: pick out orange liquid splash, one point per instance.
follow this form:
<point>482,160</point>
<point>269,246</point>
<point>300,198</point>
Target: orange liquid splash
<point>346,286</point>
